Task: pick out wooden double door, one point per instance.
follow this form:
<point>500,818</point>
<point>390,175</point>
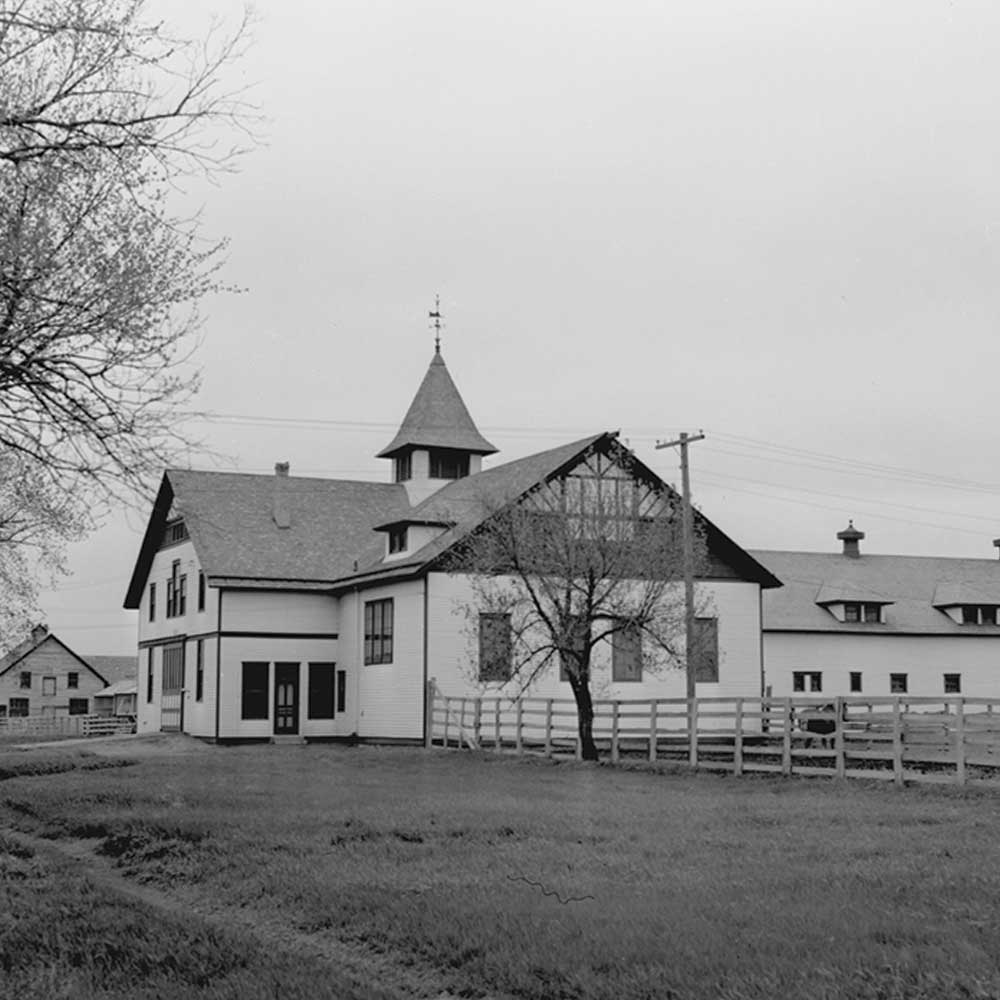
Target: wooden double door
<point>286,699</point>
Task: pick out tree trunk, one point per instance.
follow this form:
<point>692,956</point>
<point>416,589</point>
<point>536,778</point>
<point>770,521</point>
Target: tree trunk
<point>585,717</point>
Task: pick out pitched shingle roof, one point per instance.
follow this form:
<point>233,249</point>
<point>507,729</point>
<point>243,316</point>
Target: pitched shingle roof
<point>24,649</point>
<point>115,669</point>
<point>912,586</point>
<point>438,417</point>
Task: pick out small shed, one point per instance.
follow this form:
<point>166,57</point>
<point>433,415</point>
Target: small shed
<point>117,700</point>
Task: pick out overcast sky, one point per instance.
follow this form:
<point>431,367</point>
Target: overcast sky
<point>773,221</point>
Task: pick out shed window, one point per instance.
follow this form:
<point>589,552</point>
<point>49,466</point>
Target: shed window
<point>494,647</point>
<point>626,654</point>
<point>78,706</point>
<point>705,655</point>
<point>378,631</point>
<point>72,679</point>
<point>952,683</point>
<point>807,680</point>
<point>897,683</point>
<point>321,682</point>
<point>18,707</point>
<point>254,702</point>
<point>855,681</point>
<point>870,614</point>
<point>26,678</point>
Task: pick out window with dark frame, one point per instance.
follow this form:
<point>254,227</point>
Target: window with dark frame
<point>446,463</point>
<point>79,706</point>
<point>378,631</point>
<point>807,680</point>
<point>322,677</point>
<point>199,670</point>
<point>495,646</point>
<point>863,612</point>
<point>952,683</point>
<point>152,602</point>
<point>403,467</point>
<point>174,533</point>
<point>176,591</point>
<point>855,682</point>
<point>254,700</point>
<point>72,679</point>
<point>201,590</point>
<point>397,540</point>
<point>341,691</point>
<point>149,675</point>
<point>897,683</point>
<point>979,614</point>
<point>26,678</point>
<point>705,654</point>
<point>626,654</point>
<point>19,707</point>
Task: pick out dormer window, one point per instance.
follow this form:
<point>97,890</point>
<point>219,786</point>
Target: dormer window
<point>979,614</point>
<point>174,533</point>
<point>447,463</point>
<point>397,540</point>
<point>862,611</point>
<point>403,467</point>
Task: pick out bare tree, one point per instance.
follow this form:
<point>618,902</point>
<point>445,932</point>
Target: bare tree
<point>102,116</point>
<point>591,555</point>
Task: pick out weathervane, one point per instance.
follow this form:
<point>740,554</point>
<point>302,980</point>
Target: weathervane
<point>435,315</point>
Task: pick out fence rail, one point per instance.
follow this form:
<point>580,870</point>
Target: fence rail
<point>58,726</point>
<point>897,738</point>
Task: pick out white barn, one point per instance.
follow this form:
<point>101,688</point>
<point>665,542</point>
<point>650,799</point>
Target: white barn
<point>280,605</point>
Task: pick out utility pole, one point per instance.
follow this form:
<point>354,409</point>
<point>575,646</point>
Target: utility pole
<point>687,530</point>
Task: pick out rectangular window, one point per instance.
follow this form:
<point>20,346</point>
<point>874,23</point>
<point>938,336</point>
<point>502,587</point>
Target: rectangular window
<point>855,682</point>
<point>626,654</point>
<point>199,670</point>
<point>856,611</point>
<point>871,612</point>
<point>378,631</point>
<point>201,590</point>
<point>807,680</point>
<point>48,686</point>
<point>321,682</point>
<point>403,467</point>
<point>448,464</point>
<point>254,699</point>
<point>852,612</point>
<point>152,602</point>
<point>78,706</point>
<point>72,680</point>
<point>495,647</point>
<point>580,640</point>
<point>174,532</point>
<point>149,675</point>
<point>18,707</point>
<point>979,614</point>
<point>705,655</point>
<point>970,614</point>
<point>397,540</point>
<point>897,683</point>
<point>176,591</point>
<point>952,683</point>
<point>26,678</point>
<point>341,690</point>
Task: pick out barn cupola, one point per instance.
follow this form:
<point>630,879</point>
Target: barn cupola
<point>438,440</point>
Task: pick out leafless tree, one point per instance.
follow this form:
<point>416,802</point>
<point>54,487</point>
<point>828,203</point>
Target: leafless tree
<point>102,116</point>
<point>594,553</point>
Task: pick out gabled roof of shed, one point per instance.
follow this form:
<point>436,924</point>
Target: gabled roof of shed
<point>23,650</point>
<point>911,585</point>
<point>438,417</point>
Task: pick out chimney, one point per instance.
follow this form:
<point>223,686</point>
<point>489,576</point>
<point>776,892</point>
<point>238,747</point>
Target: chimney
<point>39,632</point>
<point>850,536</point>
<point>281,514</point>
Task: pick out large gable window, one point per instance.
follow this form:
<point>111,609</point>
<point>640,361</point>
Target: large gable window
<point>378,631</point>
<point>446,463</point>
<point>494,647</point>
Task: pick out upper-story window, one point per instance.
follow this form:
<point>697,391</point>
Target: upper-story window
<point>201,590</point>
<point>397,540</point>
<point>403,467</point>
<point>152,602</point>
<point>446,463</point>
<point>26,678</point>
<point>860,611</point>
<point>174,532</point>
<point>979,614</point>
<point>378,631</point>
<point>176,591</point>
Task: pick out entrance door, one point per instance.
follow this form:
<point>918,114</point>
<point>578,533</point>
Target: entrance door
<point>286,699</point>
<point>172,689</point>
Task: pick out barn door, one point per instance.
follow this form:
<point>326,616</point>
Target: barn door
<point>172,696</point>
<point>286,699</point>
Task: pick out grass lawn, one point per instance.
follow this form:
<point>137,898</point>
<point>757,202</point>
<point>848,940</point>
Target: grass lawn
<point>321,872</point>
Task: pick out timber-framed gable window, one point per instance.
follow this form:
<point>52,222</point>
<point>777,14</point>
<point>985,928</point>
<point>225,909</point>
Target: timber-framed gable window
<point>378,631</point>
<point>495,646</point>
<point>626,654</point>
<point>176,591</point>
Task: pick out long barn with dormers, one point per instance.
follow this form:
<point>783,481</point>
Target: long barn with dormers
<point>282,605</point>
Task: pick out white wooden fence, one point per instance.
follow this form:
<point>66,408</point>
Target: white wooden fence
<point>897,738</point>
<point>59,726</point>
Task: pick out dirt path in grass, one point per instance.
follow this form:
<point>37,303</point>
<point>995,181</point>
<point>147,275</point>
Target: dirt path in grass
<point>389,973</point>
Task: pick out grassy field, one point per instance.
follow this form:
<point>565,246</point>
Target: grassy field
<point>320,872</point>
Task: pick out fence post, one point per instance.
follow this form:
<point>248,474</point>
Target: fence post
<point>614,732</point>
<point>429,713</point>
<point>548,727</point>
<point>496,726</point>
<point>478,721</point>
<point>738,739</point>
<point>693,732</point>
<point>840,762</point>
<point>652,731</point>
<point>897,741</point>
<point>786,739</point>
<point>520,723</point>
<point>447,720</point>
<point>960,775</point>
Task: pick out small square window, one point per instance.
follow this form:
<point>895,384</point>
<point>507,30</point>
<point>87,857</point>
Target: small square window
<point>19,707</point>
<point>855,682</point>
<point>952,683</point>
<point>397,540</point>
<point>871,613</point>
<point>78,706</point>
<point>897,683</point>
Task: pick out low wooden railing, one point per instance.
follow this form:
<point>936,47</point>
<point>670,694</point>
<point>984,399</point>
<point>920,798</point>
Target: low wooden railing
<point>900,738</point>
<point>61,726</point>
